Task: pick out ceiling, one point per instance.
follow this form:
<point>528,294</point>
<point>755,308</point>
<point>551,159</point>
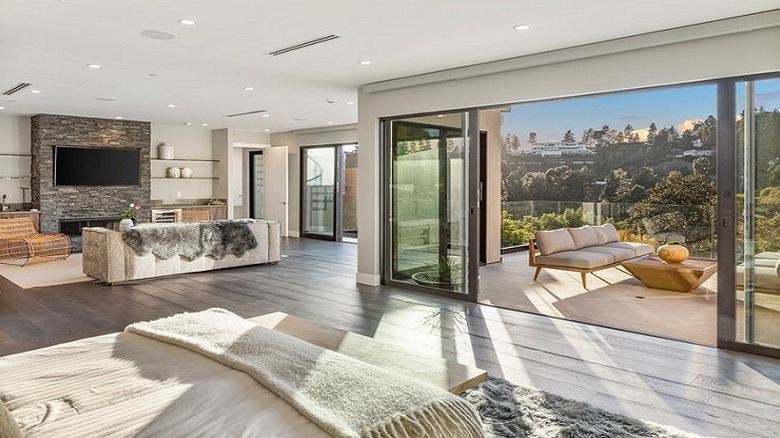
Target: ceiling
<point>203,71</point>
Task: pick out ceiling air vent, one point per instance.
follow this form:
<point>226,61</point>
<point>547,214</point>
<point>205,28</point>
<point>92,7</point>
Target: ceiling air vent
<point>299,46</point>
<point>20,87</point>
<point>246,113</point>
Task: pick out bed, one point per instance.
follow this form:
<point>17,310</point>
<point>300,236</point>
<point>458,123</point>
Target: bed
<point>141,384</point>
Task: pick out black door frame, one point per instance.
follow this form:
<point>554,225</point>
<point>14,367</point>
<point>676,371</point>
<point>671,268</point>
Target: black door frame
<point>338,201</point>
<point>252,155</point>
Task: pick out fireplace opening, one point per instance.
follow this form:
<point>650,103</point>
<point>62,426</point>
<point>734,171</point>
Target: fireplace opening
<point>73,227</point>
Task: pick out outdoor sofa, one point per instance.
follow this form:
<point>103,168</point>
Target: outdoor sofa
<point>584,249</point>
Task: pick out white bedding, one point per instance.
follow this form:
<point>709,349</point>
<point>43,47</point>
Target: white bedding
<point>165,390</point>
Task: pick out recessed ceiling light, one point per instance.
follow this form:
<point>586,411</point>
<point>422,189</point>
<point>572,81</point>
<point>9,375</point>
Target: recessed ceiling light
<point>2,107</point>
<point>350,103</point>
<point>364,62</point>
<point>521,27</point>
<point>187,21</point>
<point>330,101</point>
<point>330,123</point>
<point>267,130</point>
<point>35,91</point>
<point>170,105</point>
<point>266,115</point>
<point>204,124</point>
<point>440,115</point>
<point>249,88</point>
<point>119,117</point>
<point>188,123</point>
<point>158,35</point>
<point>95,66</point>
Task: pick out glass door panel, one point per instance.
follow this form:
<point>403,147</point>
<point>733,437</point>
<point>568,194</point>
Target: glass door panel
<point>348,191</point>
<point>257,185</point>
<point>758,199</point>
<point>319,192</point>
<point>428,233</point>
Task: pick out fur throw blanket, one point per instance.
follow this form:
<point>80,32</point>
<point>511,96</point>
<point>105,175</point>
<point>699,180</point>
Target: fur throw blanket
<point>215,239</point>
<point>342,395</point>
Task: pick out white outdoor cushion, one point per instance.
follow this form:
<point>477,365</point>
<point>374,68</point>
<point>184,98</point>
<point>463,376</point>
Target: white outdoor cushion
<point>768,255</point>
<point>610,232</point>
<point>583,236</point>
<point>639,249</point>
<point>765,278</point>
<point>576,259</point>
<point>618,254</point>
<point>600,235</point>
<point>554,241</point>
<point>777,267</point>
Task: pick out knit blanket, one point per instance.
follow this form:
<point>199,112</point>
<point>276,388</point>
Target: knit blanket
<point>216,239</point>
<point>342,395</point>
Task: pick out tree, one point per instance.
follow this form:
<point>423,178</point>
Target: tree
<point>702,166</point>
<point>568,137</point>
<point>531,137</point>
<point>652,130</point>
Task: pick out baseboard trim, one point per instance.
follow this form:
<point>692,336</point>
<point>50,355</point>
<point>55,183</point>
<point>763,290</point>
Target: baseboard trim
<point>368,279</point>
<point>293,234</point>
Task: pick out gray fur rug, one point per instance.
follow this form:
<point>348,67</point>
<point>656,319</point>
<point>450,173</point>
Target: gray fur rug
<point>514,411</point>
<point>215,239</point>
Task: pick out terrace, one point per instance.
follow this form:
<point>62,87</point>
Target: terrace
<point>614,297</point>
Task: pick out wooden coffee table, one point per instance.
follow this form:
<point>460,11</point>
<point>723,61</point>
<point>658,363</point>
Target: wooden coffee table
<point>681,277</point>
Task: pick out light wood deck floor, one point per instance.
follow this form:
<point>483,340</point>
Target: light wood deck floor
<point>695,388</point>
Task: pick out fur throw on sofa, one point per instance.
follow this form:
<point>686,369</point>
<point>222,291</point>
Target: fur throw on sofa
<point>216,239</point>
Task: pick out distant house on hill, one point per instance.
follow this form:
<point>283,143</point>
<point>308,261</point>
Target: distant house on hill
<point>559,148</point>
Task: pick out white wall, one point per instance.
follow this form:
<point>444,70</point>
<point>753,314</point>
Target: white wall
<point>189,142</point>
<point>636,62</point>
<point>345,134</point>
<point>14,139</point>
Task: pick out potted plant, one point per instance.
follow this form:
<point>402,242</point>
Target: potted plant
<point>443,274</point>
<point>673,252</point>
<point>128,217</point>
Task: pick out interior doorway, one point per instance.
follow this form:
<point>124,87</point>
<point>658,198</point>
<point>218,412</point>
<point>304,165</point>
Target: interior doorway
<point>329,192</point>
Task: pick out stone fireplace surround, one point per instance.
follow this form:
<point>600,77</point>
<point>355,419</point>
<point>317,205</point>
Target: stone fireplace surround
<point>81,203</point>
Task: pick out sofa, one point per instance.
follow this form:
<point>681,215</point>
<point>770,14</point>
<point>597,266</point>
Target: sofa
<point>584,249</point>
<point>766,273</point>
<point>153,250</point>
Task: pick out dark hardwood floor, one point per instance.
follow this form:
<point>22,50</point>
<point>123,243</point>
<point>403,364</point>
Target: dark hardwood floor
<point>695,388</point>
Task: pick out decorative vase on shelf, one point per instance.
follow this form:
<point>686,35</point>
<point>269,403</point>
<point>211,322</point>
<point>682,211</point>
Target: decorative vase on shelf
<point>186,172</point>
<point>125,224</point>
<point>673,252</point>
<point>174,172</point>
<point>165,151</point>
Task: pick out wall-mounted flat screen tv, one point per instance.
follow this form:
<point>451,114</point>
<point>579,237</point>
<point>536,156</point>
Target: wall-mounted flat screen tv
<point>88,166</point>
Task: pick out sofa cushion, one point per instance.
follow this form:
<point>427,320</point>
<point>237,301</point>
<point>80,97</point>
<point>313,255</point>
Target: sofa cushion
<point>768,255</point>
<point>601,236</point>
<point>639,249</point>
<point>8,426</point>
<point>618,254</point>
<point>609,231</point>
<point>583,236</point>
<point>554,241</point>
<point>576,259</point>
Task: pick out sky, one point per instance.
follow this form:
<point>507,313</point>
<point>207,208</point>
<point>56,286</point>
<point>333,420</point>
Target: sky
<point>670,106</point>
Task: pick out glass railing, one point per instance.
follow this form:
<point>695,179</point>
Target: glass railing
<point>692,225</point>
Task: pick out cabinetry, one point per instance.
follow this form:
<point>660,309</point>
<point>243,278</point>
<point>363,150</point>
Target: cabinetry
<point>189,213</point>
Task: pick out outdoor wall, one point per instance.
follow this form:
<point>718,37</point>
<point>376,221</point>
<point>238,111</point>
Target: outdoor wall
<point>728,48</point>
<point>346,134</point>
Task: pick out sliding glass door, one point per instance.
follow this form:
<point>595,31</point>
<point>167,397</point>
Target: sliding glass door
<point>757,303</point>
<point>427,201</point>
<point>329,192</point>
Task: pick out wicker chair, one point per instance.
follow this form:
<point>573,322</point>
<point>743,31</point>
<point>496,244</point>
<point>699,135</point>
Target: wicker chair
<point>20,240</point>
